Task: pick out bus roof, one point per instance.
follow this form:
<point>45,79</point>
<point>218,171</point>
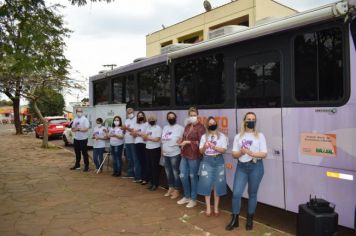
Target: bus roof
<point>337,9</point>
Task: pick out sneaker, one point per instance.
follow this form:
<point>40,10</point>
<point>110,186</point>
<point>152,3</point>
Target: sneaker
<point>175,194</point>
<point>138,181</point>
<point>169,192</point>
<point>191,204</point>
<point>75,168</point>
<point>182,201</point>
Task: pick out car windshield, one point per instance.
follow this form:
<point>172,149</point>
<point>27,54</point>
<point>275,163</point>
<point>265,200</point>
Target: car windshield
<point>57,121</point>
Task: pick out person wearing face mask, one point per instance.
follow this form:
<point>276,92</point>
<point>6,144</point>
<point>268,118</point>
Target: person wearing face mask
<point>130,141</point>
<point>189,164</point>
<point>80,127</point>
<point>249,148</point>
<point>140,165</point>
<point>171,152</point>
<point>116,136</point>
<point>153,150</point>
<point>99,136</point>
<point>212,173</point>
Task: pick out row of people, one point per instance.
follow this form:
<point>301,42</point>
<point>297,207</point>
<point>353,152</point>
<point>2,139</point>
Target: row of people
<point>193,157</point>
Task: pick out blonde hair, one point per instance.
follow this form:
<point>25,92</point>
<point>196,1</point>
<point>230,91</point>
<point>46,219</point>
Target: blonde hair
<point>152,117</point>
<point>243,125</point>
<point>193,109</point>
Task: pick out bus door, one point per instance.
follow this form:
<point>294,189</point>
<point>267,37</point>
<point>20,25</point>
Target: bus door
<point>258,90</point>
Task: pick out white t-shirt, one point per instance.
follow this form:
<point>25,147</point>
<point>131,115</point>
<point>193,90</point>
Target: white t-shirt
<point>130,123</point>
<point>156,132</point>
<point>213,140</point>
<point>142,127</point>
<point>100,133</point>
<point>114,141</point>
<point>249,141</point>
<point>81,122</point>
<point>170,135</point>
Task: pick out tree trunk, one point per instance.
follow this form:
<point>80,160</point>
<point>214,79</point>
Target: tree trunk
<point>16,107</point>
<point>45,124</point>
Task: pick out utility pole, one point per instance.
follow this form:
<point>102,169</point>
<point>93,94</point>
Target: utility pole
<point>110,65</point>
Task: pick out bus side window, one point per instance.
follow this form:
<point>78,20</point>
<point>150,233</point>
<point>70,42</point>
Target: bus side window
<point>318,66</point>
<point>101,92</point>
<point>353,30</point>
<point>258,81</point>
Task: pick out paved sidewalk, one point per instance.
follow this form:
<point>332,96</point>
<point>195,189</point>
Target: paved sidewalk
<point>39,195</point>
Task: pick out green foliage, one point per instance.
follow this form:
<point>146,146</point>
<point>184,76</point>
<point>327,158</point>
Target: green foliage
<point>50,102</point>
<point>5,103</point>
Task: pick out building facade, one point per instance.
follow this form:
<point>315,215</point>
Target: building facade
<point>196,29</point>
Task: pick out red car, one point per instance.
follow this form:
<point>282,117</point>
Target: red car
<point>56,126</point>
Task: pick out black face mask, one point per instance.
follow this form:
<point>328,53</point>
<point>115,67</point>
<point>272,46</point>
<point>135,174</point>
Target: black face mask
<point>140,119</point>
<point>152,123</point>
<point>250,124</point>
<point>212,127</point>
<point>171,121</point>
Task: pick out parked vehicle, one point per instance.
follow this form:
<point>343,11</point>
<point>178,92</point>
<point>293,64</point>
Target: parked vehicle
<point>56,126</point>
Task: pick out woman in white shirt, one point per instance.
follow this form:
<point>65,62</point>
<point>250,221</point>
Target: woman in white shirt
<point>99,136</point>
<point>212,168</point>
<point>140,146</point>
<point>249,148</point>
<point>153,150</point>
<point>116,135</point>
<point>171,134</point>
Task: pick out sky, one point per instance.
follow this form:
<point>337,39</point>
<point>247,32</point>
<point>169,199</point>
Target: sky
<point>114,33</point>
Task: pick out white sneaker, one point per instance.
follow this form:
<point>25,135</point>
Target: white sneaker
<point>191,204</point>
<point>182,201</point>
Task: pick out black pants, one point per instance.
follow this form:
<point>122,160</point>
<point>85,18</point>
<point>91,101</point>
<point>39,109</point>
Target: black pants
<point>153,156</point>
<point>80,146</point>
<point>141,156</point>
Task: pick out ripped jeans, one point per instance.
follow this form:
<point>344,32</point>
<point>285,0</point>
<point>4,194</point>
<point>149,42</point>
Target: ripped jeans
<point>212,175</point>
<point>189,177</point>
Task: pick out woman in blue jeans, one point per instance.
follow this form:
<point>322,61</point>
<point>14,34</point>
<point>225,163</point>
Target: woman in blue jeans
<point>249,148</point>
<point>116,135</point>
<point>171,152</point>
<point>212,168</point>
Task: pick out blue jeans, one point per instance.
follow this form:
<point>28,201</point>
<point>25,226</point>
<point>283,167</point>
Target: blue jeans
<point>171,166</point>
<point>116,153</point>
<point>212,175</point>
<point>130,155</point>
<point>98,156</point>
<point>247,173</point>
<point>189,171</point>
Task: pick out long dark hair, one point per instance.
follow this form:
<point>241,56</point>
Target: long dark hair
<point>116,117</point>
<point>144,117</point>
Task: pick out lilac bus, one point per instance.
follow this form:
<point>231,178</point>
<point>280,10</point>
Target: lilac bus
<point>298,74</point>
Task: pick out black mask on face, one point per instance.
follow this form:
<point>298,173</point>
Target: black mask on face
<point>212,127</point>
<point>250,124</point>
<point>172,121</point>
<point>140,119</point>
<point>152,122</point>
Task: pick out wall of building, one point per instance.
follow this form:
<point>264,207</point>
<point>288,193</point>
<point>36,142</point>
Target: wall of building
<point>252,10</point>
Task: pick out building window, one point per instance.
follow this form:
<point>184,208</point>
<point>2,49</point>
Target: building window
<point>166,43</point>
<point>154,87</point>
<point>200,81</point>
<point>192,38</point>
<point>258,81</point>
<point>101,92</point>
<point>243,20</point>
<point>318,69</point>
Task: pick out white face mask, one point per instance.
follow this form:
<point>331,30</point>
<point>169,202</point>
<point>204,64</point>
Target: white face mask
<point>79,114</point>
<point>99,125</point>
<point>117,123</point>
<point>131,115</point>
<point>192,119</point>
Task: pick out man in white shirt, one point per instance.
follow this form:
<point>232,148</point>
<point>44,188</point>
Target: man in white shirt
<point>80,127</point>
<point>130,141</point>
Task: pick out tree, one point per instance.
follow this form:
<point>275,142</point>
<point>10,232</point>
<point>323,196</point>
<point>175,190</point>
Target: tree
<point>84,2</point>
<point>31,53</point>
<point>5,103</point>
<point>50,103</point>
